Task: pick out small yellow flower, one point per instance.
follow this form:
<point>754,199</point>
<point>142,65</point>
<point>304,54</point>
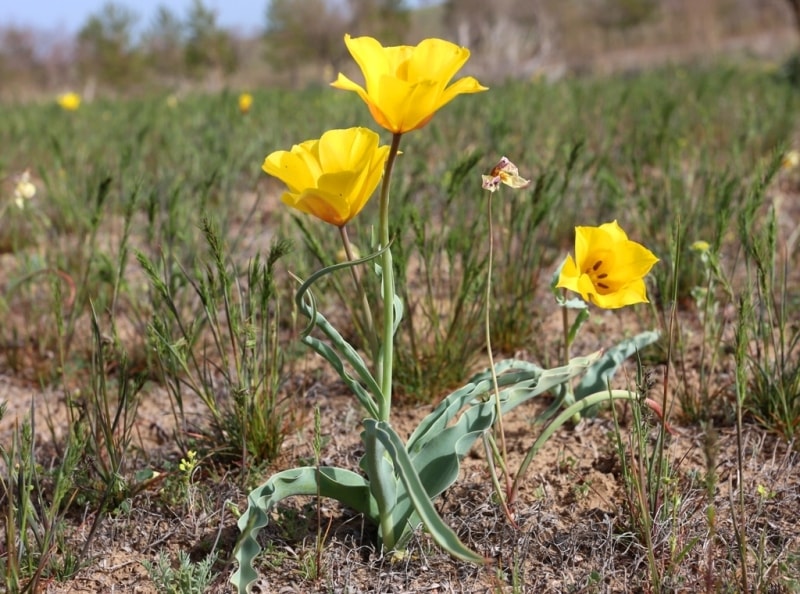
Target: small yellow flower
<point>245,102</point>
<point>407,85</point>
<point>24,189</point>
<point>189,463</point>
<point>505,172</point>
<point>331,178</point>
<point>341,255</point>
<point>172,101</point>
<point>700,246</point>
<point>791,160</point>
<point>69,101</point>
<point>608,269</point>
<point>764,492</point>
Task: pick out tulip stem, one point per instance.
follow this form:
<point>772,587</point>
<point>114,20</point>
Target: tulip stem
<point>387,277</point>
<point>372,337</point>
<point>495,386</point>
<point>565,323</point>
<point>569,394</point>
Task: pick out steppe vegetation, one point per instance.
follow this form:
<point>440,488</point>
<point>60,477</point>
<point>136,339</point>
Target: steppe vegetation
<point>152,371</point>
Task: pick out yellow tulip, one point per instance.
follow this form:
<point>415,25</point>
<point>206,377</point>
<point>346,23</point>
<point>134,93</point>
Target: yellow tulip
<point>331,178</point>
<point>69,101</point>
<point>245,102</point>
<point>406,85</point>
<point>608,269</point>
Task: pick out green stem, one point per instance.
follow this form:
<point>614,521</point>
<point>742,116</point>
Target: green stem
<point>372,337</point>
<point>569,395</point>
<point>387,277</point>
<point>498,406</point>
<point>565,325</point>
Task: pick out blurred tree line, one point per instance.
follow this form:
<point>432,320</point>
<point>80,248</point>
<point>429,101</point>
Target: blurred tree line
<point>300,41</point>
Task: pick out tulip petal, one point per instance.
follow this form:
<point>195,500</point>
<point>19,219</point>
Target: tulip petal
<point>568,278</point>
<point>634,293</point>
<point>614,231</point>
<point>436,59</point>
<point>406,106</point>
<point>371,58</point>
<point>321,207</point>
<point>632,261</point>
<point>292,169</point>
<point>344,83</point>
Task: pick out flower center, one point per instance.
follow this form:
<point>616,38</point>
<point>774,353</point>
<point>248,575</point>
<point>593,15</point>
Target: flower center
<point>598,270</point>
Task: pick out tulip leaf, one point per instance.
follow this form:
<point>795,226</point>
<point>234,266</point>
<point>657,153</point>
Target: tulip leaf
<point>382,483</point>
<point>442,534</point>
<point>577,323</point>
<point>439,459</point>
<point>345,486</point>
<point>522,381</point>
<point>333,268</point>
<point>340,349</point>
<point>360,392</point>
<point>397,304</point>
<point>597,376</point>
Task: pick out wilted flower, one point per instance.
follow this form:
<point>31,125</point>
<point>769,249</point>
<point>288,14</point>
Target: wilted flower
<point>331,178</point>
<point>406,85</point>
<point>505,172</point>
<point>69,101</point>
<point>24,189</point>
<point>608,269</point>
<point>245,102</point>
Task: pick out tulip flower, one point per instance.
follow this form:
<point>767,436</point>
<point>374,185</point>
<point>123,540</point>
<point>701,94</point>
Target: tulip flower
<point>333,177</point>
<point>608,269</point>
<point>406,85</point>
<point>245,102</point>
<point>69,101</point>
<point>505,172</point>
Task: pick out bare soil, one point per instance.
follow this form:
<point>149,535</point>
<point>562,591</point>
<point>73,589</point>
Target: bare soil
<point>574,530</point>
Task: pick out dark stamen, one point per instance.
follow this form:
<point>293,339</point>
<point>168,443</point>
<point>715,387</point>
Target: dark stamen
<point>597,265</point>
<point>602,286</point>
<point>601,276</point>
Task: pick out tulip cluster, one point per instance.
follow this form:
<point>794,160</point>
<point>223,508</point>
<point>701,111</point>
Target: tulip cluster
<point>332,178</point>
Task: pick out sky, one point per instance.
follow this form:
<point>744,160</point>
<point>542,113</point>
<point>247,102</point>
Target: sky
<point>69,15</point>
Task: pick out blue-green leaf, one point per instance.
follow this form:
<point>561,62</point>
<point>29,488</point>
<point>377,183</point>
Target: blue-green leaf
<point>345,486</point>
<point>382,482</point>
<point>442,534</point>
<point>330,355</point>
<point>597,376</point>
<point>518,381</point>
